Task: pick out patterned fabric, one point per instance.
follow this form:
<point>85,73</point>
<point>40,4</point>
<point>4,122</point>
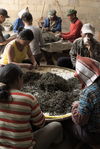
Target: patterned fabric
<point>86,111</point>
<point>89,105</point>
<point>78,48</point>
<point>16,118</point>
<point>87,70</point>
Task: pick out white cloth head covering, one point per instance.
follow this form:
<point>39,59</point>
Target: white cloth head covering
<point>23,11</point>
<point>88,28</point>
<point>87,70</point>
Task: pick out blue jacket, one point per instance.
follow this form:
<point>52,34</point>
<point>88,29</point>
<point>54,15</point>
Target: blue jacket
<point>17,24</point>
<point>57,26</point>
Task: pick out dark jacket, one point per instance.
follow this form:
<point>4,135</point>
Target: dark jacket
<point>57,26</point>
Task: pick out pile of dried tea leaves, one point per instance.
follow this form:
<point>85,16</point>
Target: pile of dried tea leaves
<point>54,93</point>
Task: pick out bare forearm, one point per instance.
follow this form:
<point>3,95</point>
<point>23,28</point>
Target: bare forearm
<point>7,41</point>
<point>33,59</point>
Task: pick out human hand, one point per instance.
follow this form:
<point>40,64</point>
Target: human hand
<point>35,65</point>
<point>46,29</point>
<point>28,66</point>
<point>58,35</point>
<point>75,104</point>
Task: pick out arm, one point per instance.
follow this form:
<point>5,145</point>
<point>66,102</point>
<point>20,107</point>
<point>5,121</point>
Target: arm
<point>3,41</point>
<point>81,112</point>
<point>73,53</point>
<point>41,39</point>
<point>37,117</point>
<point>64,34</point>
<point>46,23</point>
<point>30,55</point>
<point>73,33</point>
<point>46,26</point>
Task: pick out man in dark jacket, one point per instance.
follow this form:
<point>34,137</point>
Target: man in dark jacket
<point>53,22</point>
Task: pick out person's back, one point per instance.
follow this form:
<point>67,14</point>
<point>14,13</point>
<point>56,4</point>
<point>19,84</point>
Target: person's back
<point>20,112</point>
<point>37,42</point>
<point>18,23</point>
<point>15,118</point>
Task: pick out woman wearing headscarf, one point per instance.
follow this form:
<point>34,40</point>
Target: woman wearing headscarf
<point>86,111</point>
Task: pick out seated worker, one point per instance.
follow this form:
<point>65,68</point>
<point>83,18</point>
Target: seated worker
<point>20,112</point>
<point>17,50</point>
<point>86,46</point>
<point>86,111</point>
<point>18,23</point>
<point>53,22</point>
<point>75,27</point>
<point>3,40</point>
<point>37,42</point>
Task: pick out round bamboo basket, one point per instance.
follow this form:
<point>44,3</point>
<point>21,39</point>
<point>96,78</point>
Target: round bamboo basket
<point>62,72</point>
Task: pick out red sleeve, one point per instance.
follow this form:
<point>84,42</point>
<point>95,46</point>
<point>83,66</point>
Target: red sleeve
<point>65,33</point>
<point>74,31</point>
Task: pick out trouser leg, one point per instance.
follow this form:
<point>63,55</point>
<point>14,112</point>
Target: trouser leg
<point>65,62</point>
<point>38,58</point>
<point>51,133</point>
<point>48,57</point>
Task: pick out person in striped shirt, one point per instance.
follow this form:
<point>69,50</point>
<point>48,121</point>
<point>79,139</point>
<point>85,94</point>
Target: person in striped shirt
<point>19,112</point>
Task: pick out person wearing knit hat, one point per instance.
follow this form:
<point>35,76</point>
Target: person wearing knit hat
<point>52,23</point>
<point>86,46</point>
<point>86,111</point>
<point>18,23</point>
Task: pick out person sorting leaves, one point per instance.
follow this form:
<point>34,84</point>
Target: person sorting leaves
<point>53,23</point>
<point>4,39</point>
<point>75,27</point>
<point>20,112</point>
<point>18,50</point>
<point>86,111</point>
